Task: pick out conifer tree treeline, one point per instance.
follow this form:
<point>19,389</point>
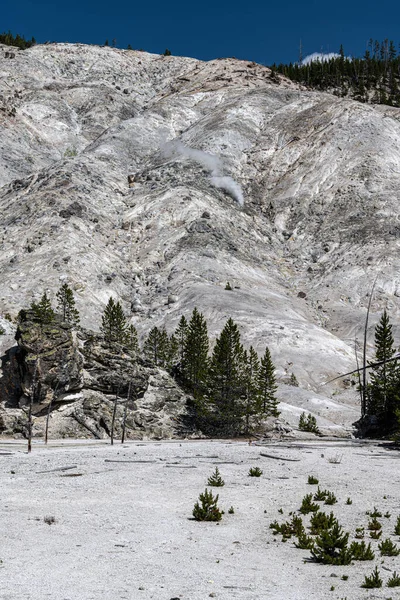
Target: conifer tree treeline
<point>19,41</point>
<point>373,78</point>
<point>232,388</point>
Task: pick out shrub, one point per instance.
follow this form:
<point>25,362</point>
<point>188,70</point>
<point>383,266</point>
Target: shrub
<point>374,525</point>
<point>307,505</point>
<point>293,380</point>
<point>387,548</point>
<point>255,472</point>
<point>49,520</point>
<point>320,495</point>
<point>373,581</point>
<point>349,501</point>
<point>375,535</point>
<point>374,514</point>
<point>331,547</point>
<point>359,533</point>
<point>228,286</point>
<point>304,542</point>
<point>216,480</point>
<point>231,510</point>
<point>394,580</point>
<point>308,423</point>
<point>312,480</point>
<point>2,330</point>
<point>330,498</point>
<point>208,509</point>
<point>289,528</point>
<point>320,521</point>
<point>360,551</point>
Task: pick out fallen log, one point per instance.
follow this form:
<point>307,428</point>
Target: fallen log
<point>279,457</point>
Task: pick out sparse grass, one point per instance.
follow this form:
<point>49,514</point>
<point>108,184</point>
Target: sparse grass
<point>255,472</point>
<point>336,459</point>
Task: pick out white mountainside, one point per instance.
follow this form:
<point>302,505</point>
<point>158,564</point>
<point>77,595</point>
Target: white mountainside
<point>320,178</point>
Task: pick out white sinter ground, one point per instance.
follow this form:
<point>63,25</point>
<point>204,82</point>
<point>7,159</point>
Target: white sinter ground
<point>123,530</point>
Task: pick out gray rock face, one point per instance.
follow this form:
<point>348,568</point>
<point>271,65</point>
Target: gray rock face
<point>77,376</point>
<point>93,195</point>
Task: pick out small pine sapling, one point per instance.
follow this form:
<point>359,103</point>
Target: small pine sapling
<point>349,501</point>
<point>207,510</point>
<point>330,498</point>
<point>387,548</point>
<point>312,480</point>
<point>374,514</point>
<point>375,535</point>
<point>216,480</point>
<point>360,532</point>
<point>360,551</point>
<point>231,510</point>
<point>304,542</point>
<point>387,515</point>
<point>320,495</point>
<point>255,472</point>
<point>331,547</point>
<point>394,580</point>
<point>374,525</point>
<point>307,505</point>
<point>320,521</point>
<point>372,581</point>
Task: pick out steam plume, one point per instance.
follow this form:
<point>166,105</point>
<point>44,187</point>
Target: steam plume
<point>213,164</point>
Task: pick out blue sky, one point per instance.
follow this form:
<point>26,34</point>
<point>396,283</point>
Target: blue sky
<point>263,31</point>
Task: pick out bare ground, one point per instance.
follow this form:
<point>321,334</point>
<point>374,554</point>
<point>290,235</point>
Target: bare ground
<point>123,526</point>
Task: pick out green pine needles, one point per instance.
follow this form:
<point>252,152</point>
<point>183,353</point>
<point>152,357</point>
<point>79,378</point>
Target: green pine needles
<point>255,472</point>
<point>206,509</point>
<point>66,305</point>
<point>372,581</point>
<point>216,480</point>
<point>308,423</point>
<point>331,547</point>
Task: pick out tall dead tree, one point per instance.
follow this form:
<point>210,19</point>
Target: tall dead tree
<point>113,416</point>
<point>364,370</point>
<point>126,412</point>
<point>31,401</point>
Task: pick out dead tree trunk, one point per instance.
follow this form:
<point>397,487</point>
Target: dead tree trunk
<point>113,417</point>
<point>31,399</point>
<point>126,412</point>
<point>364,383</point>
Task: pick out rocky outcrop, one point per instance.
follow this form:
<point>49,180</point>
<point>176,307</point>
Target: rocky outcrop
<point>76,376</point>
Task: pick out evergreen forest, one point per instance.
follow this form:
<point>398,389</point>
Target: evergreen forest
<point>374,78</point>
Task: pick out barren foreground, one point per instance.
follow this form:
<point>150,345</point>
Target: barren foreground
<point>123,527</point>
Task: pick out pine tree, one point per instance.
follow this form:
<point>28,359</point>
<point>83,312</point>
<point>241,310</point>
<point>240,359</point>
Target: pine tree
<point>195,355</point>
<point>114,323</point>
<point>43,311</point>
<point>226,386</point>
<point>155,348</point>
<point>131,340</point>
<point>268,387</point>
<point>384,388</point>
<point>66,305</point>
<point>180,336</point>
<point>173,352</point>
<point>251,374</point>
